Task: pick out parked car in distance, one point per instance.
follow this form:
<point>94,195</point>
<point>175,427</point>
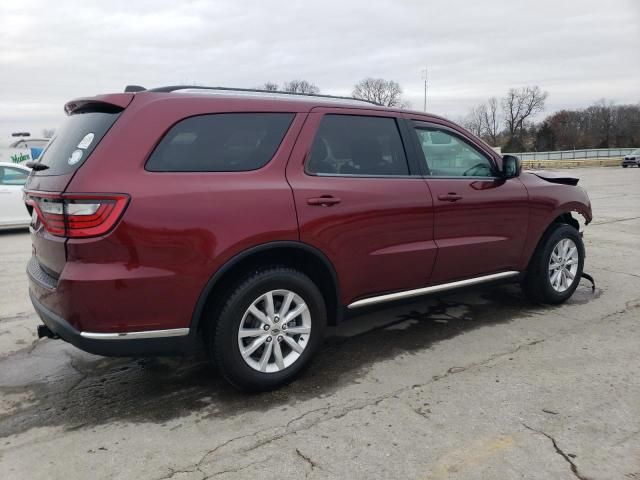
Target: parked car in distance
<point>631,159</point>
<point>23,150</point>
<point>13,213</point>
<point>244,222</point>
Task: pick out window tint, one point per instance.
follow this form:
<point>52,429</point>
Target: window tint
<point>225,142</point>
<point>449,156</point>
<point>12,176</point>
<point>74,141</point>
<point>356,145</point>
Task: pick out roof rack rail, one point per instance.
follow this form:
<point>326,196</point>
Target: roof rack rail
<point>173,88</point>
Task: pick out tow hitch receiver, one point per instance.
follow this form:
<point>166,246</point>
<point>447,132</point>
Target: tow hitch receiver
<point>44,331</point>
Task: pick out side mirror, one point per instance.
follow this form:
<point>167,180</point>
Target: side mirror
<point>511,166</point>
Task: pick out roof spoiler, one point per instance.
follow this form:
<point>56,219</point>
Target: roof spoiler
<point>114,102</point>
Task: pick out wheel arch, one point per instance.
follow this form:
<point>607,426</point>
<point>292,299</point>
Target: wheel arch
<point>295,254</point>
<point>562,216</point>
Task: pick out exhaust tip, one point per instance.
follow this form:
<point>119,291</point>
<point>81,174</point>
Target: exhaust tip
<point>44,331</point>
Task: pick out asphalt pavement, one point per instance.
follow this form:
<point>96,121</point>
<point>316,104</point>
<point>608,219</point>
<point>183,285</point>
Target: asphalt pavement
<point>480,385</point>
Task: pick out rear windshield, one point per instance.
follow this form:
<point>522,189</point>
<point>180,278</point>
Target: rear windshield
<point>223,142</point>
<point>74,141</point>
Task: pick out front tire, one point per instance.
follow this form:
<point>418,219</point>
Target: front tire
<point>268,330</point>
<point>556,266</point>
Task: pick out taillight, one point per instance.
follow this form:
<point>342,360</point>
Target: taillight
<point>77,215</point>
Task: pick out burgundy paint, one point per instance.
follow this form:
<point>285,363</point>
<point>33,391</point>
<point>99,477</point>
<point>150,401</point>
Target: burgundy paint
<point>179,229</point>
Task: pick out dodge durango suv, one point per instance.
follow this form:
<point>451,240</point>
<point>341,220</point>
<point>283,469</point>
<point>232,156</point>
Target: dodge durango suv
<point>244,222</point>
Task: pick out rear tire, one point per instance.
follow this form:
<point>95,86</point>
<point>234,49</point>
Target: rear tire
<point>268,330</point>
<point>556,266</point>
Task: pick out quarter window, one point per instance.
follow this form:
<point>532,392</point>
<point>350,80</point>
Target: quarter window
<point>447,155</point>
<point>357,145</point>
<point>225,142</point>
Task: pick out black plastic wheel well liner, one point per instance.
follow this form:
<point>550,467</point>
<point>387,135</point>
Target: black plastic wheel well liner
<point>295,254</point>
<point>568,219</point>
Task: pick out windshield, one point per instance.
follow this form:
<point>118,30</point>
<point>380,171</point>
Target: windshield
<point>74,141</point>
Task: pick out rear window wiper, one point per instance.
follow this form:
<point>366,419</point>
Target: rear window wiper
<point>37,166</point>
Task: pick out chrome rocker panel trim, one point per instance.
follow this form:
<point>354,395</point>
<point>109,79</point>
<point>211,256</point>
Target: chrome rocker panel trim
<point>174,332</point>
<point>433,289</point>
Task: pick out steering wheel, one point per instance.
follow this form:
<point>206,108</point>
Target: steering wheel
<point>477,166</point>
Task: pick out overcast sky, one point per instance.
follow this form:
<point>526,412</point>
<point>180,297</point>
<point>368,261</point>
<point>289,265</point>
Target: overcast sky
<point>577,50</point>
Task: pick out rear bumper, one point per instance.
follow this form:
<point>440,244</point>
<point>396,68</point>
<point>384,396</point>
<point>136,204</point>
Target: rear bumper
<point>129,344</point>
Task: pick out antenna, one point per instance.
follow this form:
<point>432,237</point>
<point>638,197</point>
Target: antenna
<point>424,77</point>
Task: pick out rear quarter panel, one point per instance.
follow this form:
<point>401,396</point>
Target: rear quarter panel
<point>178,229</point>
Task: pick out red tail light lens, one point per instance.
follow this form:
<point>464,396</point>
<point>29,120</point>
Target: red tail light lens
<point>77,215</point>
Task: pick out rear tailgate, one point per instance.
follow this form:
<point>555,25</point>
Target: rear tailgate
<point>88,121</point>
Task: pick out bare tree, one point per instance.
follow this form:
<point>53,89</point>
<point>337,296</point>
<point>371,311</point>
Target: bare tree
<point>519,105</point>
<point>603,115</point>
<point>474,120</point>
<point>269,87</point>
<point>300,86</point>
<point>491,121</point>
<point>379,90</point>
<point>484,121</point>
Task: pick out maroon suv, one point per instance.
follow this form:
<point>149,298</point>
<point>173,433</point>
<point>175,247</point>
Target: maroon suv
<point>246,221</point>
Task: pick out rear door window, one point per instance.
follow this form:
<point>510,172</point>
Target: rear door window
<point>224,142</point>
<point>75,140</point>
<point>357,145</point>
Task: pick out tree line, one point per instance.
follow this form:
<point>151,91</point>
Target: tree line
<point>601,125</point>
<point>508,123</point>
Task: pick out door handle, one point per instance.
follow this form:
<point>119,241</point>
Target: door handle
<point>450,197</point>
<point>323,201</point>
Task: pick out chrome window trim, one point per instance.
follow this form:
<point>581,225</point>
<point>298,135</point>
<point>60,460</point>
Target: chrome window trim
<point>357,175</point>
<point>470,177</point>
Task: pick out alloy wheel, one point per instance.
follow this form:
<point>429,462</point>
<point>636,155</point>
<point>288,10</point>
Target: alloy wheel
<point>274,331</point>
<point>563,265</point>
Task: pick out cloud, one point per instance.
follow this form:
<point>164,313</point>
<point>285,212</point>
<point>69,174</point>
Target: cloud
<point>576,50</point>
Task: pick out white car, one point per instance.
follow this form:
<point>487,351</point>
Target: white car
<point>13,212</point>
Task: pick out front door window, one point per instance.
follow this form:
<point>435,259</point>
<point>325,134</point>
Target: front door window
<point>448,155</point>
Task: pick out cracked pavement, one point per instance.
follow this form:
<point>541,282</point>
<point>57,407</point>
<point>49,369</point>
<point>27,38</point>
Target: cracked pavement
<point>473,385</point>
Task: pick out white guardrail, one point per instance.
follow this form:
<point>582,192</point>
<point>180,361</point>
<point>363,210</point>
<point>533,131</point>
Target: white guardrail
<point>575,154</point>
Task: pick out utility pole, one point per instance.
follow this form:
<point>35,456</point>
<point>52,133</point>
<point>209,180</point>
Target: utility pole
<point>424,76</point>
